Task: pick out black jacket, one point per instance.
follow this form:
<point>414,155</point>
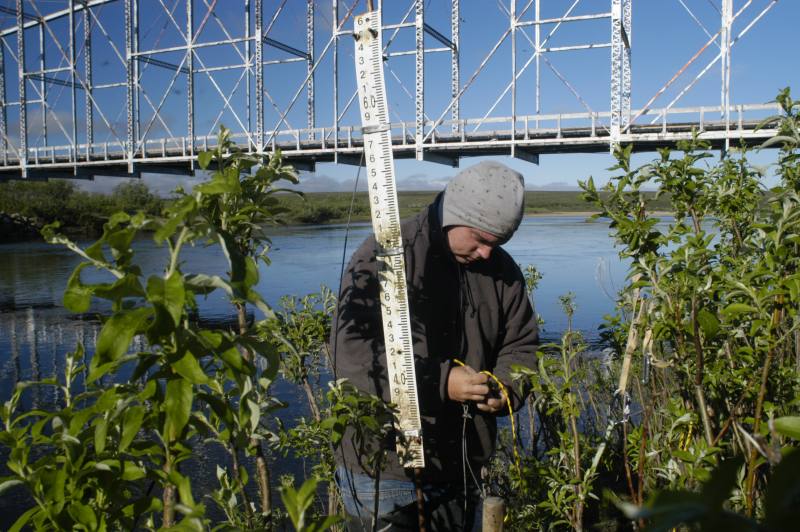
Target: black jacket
<point>479,314</point>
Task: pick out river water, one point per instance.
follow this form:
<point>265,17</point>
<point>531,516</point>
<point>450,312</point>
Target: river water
<point>36,332</point>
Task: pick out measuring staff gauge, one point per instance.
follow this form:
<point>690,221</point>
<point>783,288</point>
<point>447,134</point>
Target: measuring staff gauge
<point>386,224</point>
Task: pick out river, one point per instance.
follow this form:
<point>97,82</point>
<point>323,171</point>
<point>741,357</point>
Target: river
<point>36,332</point>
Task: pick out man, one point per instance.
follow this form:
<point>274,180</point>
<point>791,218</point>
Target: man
<point>468,303</point>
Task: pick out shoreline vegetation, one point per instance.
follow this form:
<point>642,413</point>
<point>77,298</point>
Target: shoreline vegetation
<point>25,207</point>
<point>689,423</point>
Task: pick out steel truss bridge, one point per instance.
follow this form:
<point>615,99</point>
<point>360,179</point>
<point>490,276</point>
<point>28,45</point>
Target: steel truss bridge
<point>120,87</point>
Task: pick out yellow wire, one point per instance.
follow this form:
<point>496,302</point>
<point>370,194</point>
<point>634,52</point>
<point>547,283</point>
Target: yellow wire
<point>517,459</point>
<point>685,443</point>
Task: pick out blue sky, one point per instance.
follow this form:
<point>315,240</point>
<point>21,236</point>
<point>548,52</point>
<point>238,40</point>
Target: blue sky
<point>665,36</point>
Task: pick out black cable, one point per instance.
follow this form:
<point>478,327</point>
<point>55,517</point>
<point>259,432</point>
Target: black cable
<point>350,484</point>
<point>464,416</point>
<point>344,257</point>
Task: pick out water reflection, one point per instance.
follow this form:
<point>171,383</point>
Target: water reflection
<point>36,332</point>
<point>33,346</point>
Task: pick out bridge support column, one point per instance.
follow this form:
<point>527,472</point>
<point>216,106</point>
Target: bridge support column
<point>190,81</point>
<point>620,69</point>
<point>310,111</point>
<point>259,79</point>
<point>249,65</point>
<point>3,115</point>
<point>23,122</point>
<point>129,23</point>
<point>513,19</point>
<point>73,82</point>
<point>42,84</point>
<point>335,34</point>
<point>419,78</point>
<point>455,61</point>
<point>627,39</point>
<point>725,56</point>
<point>87,63</point>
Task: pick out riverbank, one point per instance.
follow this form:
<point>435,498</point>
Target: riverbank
<point>335,207</point>
<point>25,207</point>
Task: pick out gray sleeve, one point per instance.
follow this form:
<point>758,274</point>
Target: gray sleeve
<point>356,332</point>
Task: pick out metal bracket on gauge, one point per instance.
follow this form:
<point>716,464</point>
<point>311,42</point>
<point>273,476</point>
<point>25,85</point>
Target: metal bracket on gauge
<point>366,130</point>
<point>390,252</point>
<point>395,313</point>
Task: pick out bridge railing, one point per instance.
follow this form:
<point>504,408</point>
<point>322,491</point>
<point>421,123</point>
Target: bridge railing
<point>527,130</point>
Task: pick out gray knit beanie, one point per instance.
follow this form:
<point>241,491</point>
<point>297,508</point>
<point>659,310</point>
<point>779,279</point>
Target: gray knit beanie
<point>488,196</point>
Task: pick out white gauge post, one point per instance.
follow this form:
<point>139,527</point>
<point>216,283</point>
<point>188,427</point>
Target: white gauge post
<point>385,212</point>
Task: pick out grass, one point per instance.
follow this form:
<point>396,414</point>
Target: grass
<point>333,207</point>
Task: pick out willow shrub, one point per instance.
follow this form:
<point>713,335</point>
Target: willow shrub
<point>713,293</point>
<point>720,285</point>
<point>111,455</point>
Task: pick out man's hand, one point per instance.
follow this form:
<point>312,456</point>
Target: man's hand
<point>493,405</point>
<point>466,384</point>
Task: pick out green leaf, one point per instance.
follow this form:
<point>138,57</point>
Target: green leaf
<point>168,293</point>
<point>684,456</point>
<point>128,286</point>
<point>708,323</point>
<point>233,358</point>
<point>204,159</point>
<point>735,309</point>
<point>184,486</point>
<point>220,407</point>
<point>83,515</point>
<point>23,519</point>
<point>95,251</point>
<point>77,296</point>
<point>256,299</point>
<point>189,368</point>
<point>205,284</point>
<point>120,239</point>
<point>231,177</point>
<point>132,472</point>
<point>779,139</point>
<point>226,182</point>
<point>55,485</point>
<point>131,423</point>
<point>788,426</point>
<point>178,407</point>
<point>100,432</point>
<point>234,256</point>
<point>251,272</point>
<point>176,215</point>
<point>107,400</point>
<point>268,351</point>
<point>117,333</point>
<point>8,484</point>
<point>255,414</point>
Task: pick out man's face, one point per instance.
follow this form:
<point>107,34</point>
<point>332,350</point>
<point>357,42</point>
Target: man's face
<point>469,244</point>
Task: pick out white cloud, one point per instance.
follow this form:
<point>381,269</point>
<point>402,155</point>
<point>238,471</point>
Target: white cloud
<point>160,184</point>
<point>556,185</point>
